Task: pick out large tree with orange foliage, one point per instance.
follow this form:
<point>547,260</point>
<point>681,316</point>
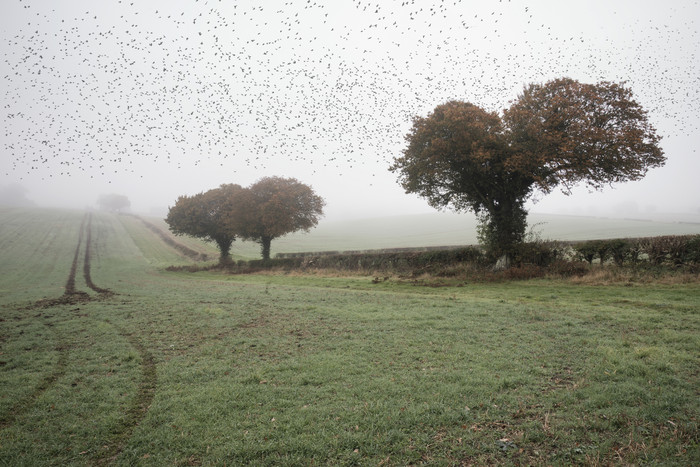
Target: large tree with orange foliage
<point>557,134</point>
<point>275,206</point>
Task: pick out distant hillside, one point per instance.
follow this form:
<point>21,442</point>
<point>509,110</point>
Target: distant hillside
<point>450,229</point>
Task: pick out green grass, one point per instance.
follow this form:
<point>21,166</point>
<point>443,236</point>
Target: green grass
<point>38,267</point>
<point>213,369</point>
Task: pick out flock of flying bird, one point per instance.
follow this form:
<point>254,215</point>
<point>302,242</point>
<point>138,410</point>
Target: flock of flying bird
<point>249,84</point>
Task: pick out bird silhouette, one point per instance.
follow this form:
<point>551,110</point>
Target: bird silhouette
<point>302,82</point>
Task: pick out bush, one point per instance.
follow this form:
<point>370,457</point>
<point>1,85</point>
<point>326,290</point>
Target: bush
<point>586,251</point>
<point>392,261</point>
<point>676,249</point>
<point>539,252</point>
<point>692,252</point>
<point>619,250</point>
<point>634,250</point>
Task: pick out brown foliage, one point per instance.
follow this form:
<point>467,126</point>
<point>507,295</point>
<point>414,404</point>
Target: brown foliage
<point>270,208</point>
<point>275,206</point>
<point>207,216</point>
<point>565,132</point>
<point>559,133</point>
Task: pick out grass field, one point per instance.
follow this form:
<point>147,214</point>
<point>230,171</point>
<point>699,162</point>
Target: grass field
<point>450,229</point>
<point>145,367</point>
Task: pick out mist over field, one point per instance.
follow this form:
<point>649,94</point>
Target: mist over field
<point>142,324</point>
<point>153,101</point>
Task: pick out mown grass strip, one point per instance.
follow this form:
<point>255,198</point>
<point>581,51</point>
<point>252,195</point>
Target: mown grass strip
<point>152,247</point>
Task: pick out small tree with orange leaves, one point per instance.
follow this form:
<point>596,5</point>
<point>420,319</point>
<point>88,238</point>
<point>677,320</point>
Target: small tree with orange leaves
<point>275,206</point>
<point>207,216</point>
<point>557,134</point>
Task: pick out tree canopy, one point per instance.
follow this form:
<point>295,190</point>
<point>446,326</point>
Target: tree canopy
<point>268,209</point>
<point>275,206</point>
<point>208,216</point>
<point>557,134</point>
<point>113,202</point>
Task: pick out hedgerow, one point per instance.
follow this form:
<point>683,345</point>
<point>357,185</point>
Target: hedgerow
<point>674,250</point>
<point>531,259</point>
<point>394,261</point>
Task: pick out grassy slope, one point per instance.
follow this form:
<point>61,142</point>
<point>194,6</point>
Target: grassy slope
<point>181,369</point>
<point>37,247</point>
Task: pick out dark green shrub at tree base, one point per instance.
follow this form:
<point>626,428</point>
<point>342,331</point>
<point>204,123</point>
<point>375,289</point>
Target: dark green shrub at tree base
<point>692,252</point>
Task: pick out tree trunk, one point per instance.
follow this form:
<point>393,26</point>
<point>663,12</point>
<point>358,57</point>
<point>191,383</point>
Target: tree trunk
<point>503,262</point>
<point>224,251</point>
<point>503,230</point>
<point>265,243</point>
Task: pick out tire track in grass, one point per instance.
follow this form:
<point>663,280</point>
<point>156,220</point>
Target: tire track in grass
<point>139,407</point>
<point>70,296</point>
<point>70,283</point>
<point>149,379</point>
<point>26,402</point>
<point>86,262</point>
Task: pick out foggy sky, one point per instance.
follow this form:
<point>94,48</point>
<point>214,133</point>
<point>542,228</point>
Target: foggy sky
<point>163,98</point>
